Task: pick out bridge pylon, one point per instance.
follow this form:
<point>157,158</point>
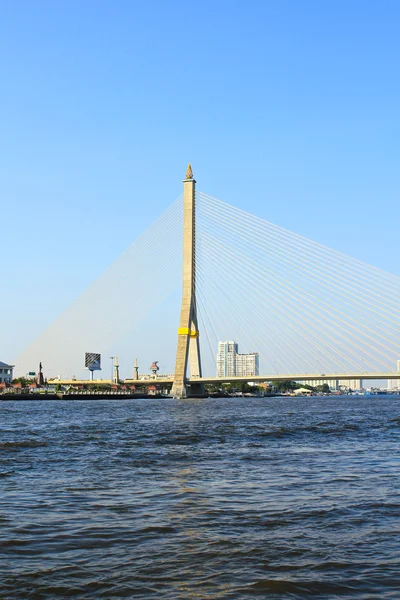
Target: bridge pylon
<point>188,349</point>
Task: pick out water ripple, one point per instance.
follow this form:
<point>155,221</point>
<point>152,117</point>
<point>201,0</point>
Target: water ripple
<point>218,498</point>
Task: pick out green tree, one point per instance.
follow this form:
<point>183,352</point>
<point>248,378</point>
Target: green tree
<point>23,381</point>
<point>285,385</point>
<point>308,387</point>
<point>324,388</point>
<point>245,388</point>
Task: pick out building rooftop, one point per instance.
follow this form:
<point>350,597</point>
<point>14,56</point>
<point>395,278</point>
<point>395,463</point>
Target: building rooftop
<point>5,365</point>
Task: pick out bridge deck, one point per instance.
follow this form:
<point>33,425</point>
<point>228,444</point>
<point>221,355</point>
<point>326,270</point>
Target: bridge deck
<point>256,378</point>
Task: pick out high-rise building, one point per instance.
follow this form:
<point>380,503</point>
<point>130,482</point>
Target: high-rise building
<point>247,364</point>
<point>226,358</point>
<point>232,364</point>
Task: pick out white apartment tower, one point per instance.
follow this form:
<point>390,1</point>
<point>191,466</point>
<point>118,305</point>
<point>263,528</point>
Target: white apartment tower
<point>232,364</point>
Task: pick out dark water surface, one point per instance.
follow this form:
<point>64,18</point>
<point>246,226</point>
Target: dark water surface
<point>236,498</point>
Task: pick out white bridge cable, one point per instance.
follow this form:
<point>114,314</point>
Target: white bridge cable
<point>382,324</point>
<point>256,279</point>
<point>97,326</point>
<point>298,326</point>
<point>304,246</point>
<point>206,356</point>
<point>228,228</point>
<point>290,322</point>
<point>224,324</point>
<point>237,237</point>
<point>384,321</point>
<point>302,306</point>
<point>204,315</point>
<point>314,268</point>
<point>253,282</point>
<point>61,346</point>
<point>339,257</point>
<point>102,303</point>
<point>252,330</point>
<point>122,274</point>
<point>250,336</point>
<point>145,274</point>
<point>379,326</point>
<point>249,332</point>
<point>205,325</point>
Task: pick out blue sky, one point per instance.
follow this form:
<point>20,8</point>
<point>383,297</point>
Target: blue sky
<point>287,109</point>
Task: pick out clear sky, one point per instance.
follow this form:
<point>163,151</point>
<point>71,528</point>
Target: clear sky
<point>287,109</point>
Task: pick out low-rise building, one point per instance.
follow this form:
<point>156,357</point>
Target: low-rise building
<point>302,392</point>
<point>6,372</point>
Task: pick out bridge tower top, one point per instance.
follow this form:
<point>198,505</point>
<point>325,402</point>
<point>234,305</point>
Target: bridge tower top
<point>189,173</point>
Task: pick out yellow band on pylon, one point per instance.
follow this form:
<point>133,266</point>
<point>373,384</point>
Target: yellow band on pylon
<point>186,331</point>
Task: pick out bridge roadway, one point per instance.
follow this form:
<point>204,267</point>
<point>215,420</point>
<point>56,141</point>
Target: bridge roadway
<point>256,378</point>
<point>271,378</point>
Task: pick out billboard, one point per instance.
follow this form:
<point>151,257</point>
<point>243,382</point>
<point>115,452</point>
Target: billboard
<point>92,361</point>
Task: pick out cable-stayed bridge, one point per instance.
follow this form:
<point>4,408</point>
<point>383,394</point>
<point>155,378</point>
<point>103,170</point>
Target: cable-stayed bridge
<point>311,313</point>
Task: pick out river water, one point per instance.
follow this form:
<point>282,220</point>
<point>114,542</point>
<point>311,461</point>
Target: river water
<point>218,498</point>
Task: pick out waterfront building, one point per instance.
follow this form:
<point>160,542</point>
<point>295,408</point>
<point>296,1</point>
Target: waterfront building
<point>6,372</point>
<point>232,364</point>
<point>332,383</point>
<point>350,384</point>
<point>335,384</point>
<point>302,392</point>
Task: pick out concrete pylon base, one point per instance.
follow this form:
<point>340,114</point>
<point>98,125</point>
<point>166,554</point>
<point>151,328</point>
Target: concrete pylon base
<point>179,391</point>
